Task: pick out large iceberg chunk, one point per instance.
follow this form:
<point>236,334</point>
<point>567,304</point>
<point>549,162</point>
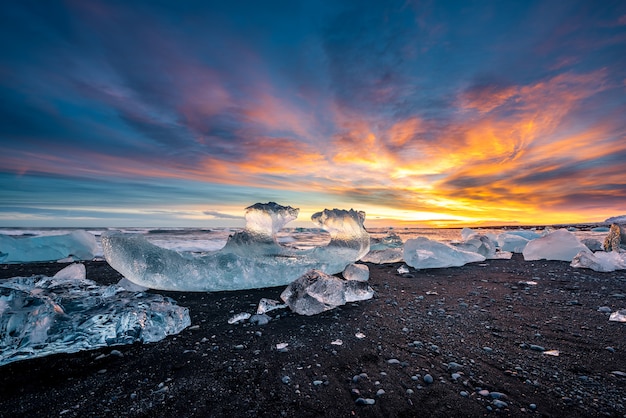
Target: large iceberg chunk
<point>616,238</point>
<point>558,245</point>
<point>422,253</point>
<point>66,313</point>
<point>477,243</point>
<point>315,292</point>
<point>251,258</point>
<point>80,245</point>
<point>600,261</point>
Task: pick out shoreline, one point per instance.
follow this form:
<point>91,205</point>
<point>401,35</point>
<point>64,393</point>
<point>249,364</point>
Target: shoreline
<point>472,328</point>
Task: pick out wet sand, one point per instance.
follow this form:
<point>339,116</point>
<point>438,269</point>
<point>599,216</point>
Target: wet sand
<point>481,332</point>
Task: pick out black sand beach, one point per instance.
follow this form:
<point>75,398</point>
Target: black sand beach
<point>469,329</point>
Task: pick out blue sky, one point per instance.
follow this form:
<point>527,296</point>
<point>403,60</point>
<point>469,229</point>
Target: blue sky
<point>160,113</point>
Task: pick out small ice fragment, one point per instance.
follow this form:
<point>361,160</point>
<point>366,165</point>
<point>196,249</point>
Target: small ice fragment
<point>618,316</point>
<point>266,305</point>
<point>403,269</point>
<point>358,272</point>
<point>554,353</point>
<point>281,346</point>
<point>239,317</point>
<point>130,286</point>
<point>359,335</point>
<point>431,292</point>
<point>618,373</point>
<point>528,282</point>
<point>337,342</point>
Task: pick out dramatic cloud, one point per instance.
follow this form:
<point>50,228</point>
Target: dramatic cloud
<point>410,110</point>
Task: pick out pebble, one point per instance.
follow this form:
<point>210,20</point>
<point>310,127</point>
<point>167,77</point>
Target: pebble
<point>500,404</point>
<point>483,392</point>
<point>428,379</point>
<point>117,353</point>
<point>497,395</point>
<point>286,380</point>
<point>611,349</point>
<point>537,347</point>
<point>532,406</point>
<point>604,309</point>
<point>454,366</point>
<point>455,376</point>
<point>488,349</point>
<point>317,382</point>
<point>410,392</point>
<point>393,361</point>
<point>380,392</point>
<point>464,394</point>
<point>365,401</point>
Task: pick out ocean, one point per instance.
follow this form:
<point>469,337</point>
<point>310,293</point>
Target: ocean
<point>200,240</point>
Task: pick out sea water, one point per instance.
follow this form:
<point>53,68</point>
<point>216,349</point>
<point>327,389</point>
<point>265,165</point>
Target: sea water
<point>202,240</point>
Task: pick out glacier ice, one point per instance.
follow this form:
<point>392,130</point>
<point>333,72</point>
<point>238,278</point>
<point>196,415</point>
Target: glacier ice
<point>385,250</point>
<point>600,260</point>
<point>315,292</point>
<point>477,243</point>
<point>250,259</point>
<point>616,238</point>
<point>66,313</point>
<point>513,242</point>
<point>77,245</point>
<point>266,305</point>
<point>391,240</point>
<point>390,255</point>
<point>422,253</point>
<point>558,245</point>
<point>358,272</point>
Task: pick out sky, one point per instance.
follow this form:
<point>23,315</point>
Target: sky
<point>420,113</point>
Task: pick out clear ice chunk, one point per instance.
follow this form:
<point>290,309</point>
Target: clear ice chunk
<point>558,245</point>
<point>600,261</point>
<point>390,255</point>
<point>315,292</point>
<point>266,305</point>
<point>250,259</point>
<point>391,240</point>
<point>616,238</point>
<point>358,272</point>
<point>66,313</point>
<point>78,245</point>
<point>477,243</point>
<point>618,316</point>
<point>513,243</point>
<point>422,253</point>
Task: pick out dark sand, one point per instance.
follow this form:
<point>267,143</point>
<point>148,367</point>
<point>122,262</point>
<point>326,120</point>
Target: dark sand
<point>414,326</point>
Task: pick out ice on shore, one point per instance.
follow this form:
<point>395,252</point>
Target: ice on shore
<point>358,272</point>
<point>390,255</point>
<point>477,243</point>
<point>600,261</point>
<point>558,245</point>
<point>384,250</point>
<point>315,292</point>
<point>422,253</point>
<point>250,259</point>
<point>616,238</point>
<point>77,245</point>
<point>66,313</point>
<point>515,241</point>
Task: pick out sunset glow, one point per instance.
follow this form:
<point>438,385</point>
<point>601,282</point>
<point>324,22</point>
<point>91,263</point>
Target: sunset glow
<point>419,113</point>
